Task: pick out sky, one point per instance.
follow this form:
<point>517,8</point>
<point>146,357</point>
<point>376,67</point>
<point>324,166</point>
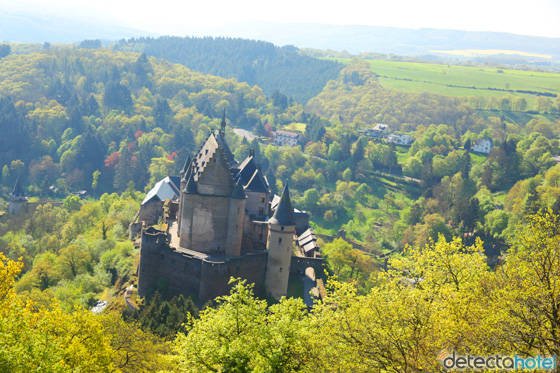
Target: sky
<point>535,17</point>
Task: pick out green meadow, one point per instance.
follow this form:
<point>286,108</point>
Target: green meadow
<point>462,80</point>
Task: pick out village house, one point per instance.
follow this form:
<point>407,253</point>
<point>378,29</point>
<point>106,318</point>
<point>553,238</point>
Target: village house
<point>400,139</point>
<point>287,138</point>
<point>484,145</point>
<point>379,130</point>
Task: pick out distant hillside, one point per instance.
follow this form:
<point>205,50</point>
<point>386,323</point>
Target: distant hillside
<point>358,39</point>
<point>20,27</point>
<point>256,62</point>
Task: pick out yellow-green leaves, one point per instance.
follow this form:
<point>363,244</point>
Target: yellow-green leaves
<point>243,334</point>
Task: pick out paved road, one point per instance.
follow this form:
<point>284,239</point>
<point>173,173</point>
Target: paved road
<point>308,285</point>
<point>244,133</point>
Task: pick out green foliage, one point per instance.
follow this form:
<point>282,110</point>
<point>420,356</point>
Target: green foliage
<point>36,338</point>
<point>71,252</point>
<point>165,318</point>
<point>243,334</point>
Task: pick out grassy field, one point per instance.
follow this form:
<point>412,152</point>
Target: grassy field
<point>299,127</point>
<point>463,81</point>
<point>489,52</point>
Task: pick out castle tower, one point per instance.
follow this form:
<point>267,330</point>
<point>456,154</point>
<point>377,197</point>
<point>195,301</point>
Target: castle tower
<point>281,229</point>
<point>17,198</point>
<point>212,206</point>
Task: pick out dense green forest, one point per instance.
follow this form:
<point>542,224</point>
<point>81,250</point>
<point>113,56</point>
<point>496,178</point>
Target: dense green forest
<point>114,123</point>
<point>66,114</point>
<point>261,63</point>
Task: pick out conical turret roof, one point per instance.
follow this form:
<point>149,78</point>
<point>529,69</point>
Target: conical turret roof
<point>191,185</point>
<point>188,173</point>
<point>238,191</point>
<point>284,213</point>
<point>187,165</point>
<point>18,190</point>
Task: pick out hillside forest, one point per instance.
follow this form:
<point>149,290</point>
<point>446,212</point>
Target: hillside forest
<point>445,248</point>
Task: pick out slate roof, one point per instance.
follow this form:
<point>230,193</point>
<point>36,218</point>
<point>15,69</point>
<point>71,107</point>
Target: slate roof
<point>284,213</point>
<point>176,183</point>
<point>257,183</point>
<point>287,133</point>
<point>483,140</point>
<point>221,139</point>
<point>251,177</point>
<point>310,246</point>
<point>238,191</point>
<point>246,169</point>
<point>164,189</point>
<point>191,185</point>
<point>307,236</point>
<point>380,127</point>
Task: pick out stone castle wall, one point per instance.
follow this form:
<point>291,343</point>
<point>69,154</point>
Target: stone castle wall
<point>164,268</point>
<point>257,203</point>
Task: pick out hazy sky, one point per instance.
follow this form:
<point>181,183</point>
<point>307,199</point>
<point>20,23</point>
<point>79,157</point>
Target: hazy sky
<point>535,17</point>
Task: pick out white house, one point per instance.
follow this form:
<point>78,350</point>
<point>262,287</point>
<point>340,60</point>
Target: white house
<point>484,145</point>
<point>379,130</point>
<point>289,138</point>
<point>400,139</point>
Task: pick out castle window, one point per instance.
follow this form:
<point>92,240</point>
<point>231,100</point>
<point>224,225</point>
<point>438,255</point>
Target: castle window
<point>280,269</point>
<point>280,240</point>
<point>282,228</point>
<point>262,199</point>
<point>206,151</point>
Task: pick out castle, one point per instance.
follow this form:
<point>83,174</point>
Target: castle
<point>218,221</point>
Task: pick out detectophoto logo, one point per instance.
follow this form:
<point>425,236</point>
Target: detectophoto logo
<point>453,362</point>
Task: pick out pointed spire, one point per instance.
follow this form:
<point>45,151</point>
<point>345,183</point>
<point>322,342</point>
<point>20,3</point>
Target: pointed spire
<point>191,185</point>
<point>187,173</point>
<point>284,213</point>
<point>18,190</point>
<point>186,166</point>
<point>238,191</point>
<point>223,124</point>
